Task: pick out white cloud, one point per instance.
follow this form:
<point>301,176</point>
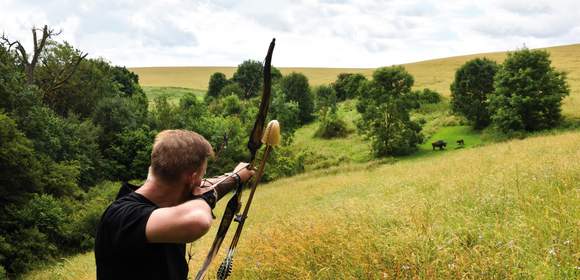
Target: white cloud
<point>332,33</point>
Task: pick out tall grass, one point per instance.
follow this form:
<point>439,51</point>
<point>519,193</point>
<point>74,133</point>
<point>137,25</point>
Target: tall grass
<point>503,211</point>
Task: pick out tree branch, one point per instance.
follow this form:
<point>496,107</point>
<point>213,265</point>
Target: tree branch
<point>60,83</point>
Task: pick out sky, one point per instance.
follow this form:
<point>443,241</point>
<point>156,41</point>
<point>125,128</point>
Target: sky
<point>309,33</point>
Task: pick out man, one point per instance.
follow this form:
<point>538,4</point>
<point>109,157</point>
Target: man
<point>142,234</point>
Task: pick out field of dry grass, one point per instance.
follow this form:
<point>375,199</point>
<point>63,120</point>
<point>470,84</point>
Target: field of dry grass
<point>503,211</point>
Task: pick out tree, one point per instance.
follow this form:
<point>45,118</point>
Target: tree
<point>130,153</point>
<point>326,101</point>
<point>286,112</point>
<point>232,89</point>
<point>114,115</point>
<point>39,45</point>
<point>528,92</point>
<point>428,96</point>
<point>276,74</point>
<point>20,170</point>
<point>331,125</point>
<point>295,87</point>
<point>384,105</point>
<point>12,80</point>
<point>347,85</point>
<point>249,77</point>
<point>128,81</point>
<point>217,82</point>
<point>471,88</point>
<point>92,81</point>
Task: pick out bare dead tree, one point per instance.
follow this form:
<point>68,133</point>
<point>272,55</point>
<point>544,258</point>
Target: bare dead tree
<point>39,44</point>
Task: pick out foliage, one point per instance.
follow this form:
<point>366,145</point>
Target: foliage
<point>276,74</point>
<point>129,154</point>
<point>286,112</point>
<point>347,85</point>
<point>116,114</point>
<point>232,89</point>
<point>127,81</point>
<point>471,89</point>
<point>249,77</point>
<point>428,96</point>
<point>20,169</point>
<point>296,88</point>
<point>332,126</point>
<point>384,105</point>
<point>528,92</point>
<point>283,162</point>
<point>85,88</point>
<point>11,80</point>
<point>217,82</point>
<point>326,101</point>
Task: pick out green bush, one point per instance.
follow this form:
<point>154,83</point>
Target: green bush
<point>248,76</point>
<point>286,112</point>
<point>232,89</point>
<point>471,89</point>
<point>428,96</point>
<point>385,104</point>
<point>217,82</point>
<point>528,92</point>
<point>296,88</point>
<point>282,163</point>
<point>332,126</point>
<point>347,85</point>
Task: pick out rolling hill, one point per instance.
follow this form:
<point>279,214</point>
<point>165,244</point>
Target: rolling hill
<point>436,74</point>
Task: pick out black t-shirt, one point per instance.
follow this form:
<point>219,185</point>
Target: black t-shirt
<point>121,247</point>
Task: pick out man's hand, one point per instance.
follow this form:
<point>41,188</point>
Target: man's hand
<point>244,172</point>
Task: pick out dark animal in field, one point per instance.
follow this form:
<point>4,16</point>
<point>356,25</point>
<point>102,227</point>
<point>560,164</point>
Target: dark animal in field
<point>439,144</point>
<point>460,142</point>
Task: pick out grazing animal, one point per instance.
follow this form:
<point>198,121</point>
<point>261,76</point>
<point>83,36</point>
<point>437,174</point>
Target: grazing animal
<point>460,142</point>
<point>439,144</point>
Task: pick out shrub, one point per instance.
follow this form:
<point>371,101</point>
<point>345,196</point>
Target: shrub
<point>332,126</point>
<point>347,85</point>
<point>470,90</point>
<point>428,96</point>
<point>296,88</point>
<point>326,101</point>
<point>384,105</point>
<point>217,82</point>
<point>248,76</point>
<point>232,89</point>
<point>528,92</point>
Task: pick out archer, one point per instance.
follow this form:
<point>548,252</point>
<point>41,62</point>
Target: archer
<point>142,234</point>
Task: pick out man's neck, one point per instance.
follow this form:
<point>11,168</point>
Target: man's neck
<point>163,195</point>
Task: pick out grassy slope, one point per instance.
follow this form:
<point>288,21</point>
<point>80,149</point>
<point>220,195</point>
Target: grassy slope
<point>173,94</point>
<point>503,211</point>
<point>436,74</point>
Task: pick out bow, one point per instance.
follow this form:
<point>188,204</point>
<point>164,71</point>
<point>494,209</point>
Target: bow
<point>234,204</point>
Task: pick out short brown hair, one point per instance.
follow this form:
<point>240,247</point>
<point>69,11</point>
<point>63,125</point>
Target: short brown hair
<point>177,151</point>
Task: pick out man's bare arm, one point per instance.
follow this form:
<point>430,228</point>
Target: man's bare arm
<point>179,224</point>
